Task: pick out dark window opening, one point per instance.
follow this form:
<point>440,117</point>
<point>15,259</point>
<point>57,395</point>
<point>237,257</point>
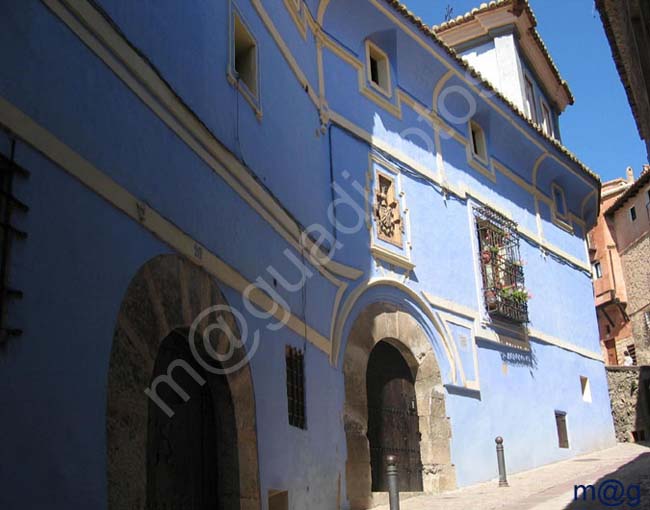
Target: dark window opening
<point>501,267</point>
<point>558,198</point>
<point>633,213</point>
<point>478,141</point>
<point>374,70</point>
<point>245,56</point>
<point>562,434</point>
<point>598,270</point>
<point>295,360</point>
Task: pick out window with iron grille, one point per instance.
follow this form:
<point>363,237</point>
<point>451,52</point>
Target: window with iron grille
<point>9,205</point>
<point>631,349</point>
<point>501,267</point>
<point>295,360</point>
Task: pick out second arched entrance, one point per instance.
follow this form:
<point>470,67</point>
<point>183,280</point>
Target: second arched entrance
<point>382,323</point>
<point>393,421</point>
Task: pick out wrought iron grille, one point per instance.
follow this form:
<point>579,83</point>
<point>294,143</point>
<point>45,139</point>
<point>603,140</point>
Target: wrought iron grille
<point>501,266</point>
<point>8,234</point>
<point>295,360</point>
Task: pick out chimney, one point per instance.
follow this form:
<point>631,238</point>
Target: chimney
<point>630,174</point>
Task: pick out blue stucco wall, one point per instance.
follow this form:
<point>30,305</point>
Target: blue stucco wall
<point>82,252</point>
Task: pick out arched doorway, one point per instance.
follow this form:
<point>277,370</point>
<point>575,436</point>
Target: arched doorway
<point>393,422</point>
<point>387,324</point>
<point>192,443</point>
<point>212,445</point>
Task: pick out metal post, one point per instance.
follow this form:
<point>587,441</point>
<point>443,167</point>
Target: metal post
<point>501,461</point>
<point>393,490</point>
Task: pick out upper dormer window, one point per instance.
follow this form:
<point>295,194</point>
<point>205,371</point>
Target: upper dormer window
<point>245,55</point>
<point>477,139</point>
<point>378,68</point>
<point>547,119</point>
<point>559,203</point>
<point>530,99</point>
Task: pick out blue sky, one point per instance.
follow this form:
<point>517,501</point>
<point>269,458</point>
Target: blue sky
<point>599,128</point>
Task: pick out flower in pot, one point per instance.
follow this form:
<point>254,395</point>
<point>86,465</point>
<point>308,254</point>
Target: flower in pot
<point>486,256</point>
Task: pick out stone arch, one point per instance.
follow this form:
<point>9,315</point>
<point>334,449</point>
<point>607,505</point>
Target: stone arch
<point>166,295</point>
<point>377,322</point>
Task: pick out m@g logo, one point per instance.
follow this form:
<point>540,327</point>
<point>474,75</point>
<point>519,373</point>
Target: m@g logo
<point>611,493</point>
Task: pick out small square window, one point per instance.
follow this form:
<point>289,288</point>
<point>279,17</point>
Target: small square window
<point>295,364</point>
<point>245,55</point>
<point>585,388</point>
<point>597,270</point>
<point>562,433</point>
<point>477,139</point>
<point>378,68</point>
<point>633,213</point>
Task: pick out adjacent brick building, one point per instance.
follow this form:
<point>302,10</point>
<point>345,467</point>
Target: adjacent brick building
<point>609,284</point>
<point>630,219</point>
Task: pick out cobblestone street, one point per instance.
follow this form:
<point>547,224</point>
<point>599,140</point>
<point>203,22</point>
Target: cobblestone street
<point>552,487</point>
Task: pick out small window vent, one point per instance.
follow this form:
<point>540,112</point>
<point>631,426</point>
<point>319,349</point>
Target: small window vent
<point>295,361</point>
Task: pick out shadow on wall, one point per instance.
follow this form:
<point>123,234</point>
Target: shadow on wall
<point>627,487</point>
<point>629,391</point>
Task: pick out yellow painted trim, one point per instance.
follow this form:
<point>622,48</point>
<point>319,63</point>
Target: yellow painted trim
<point>452,344</point>
<point>137,74</point>
<point>438,89</point>
<point>91,177</point>
<point>322,8</point>
<point>484,168</point>
<point>450,306</point>
<point>585,200</point>
<point>296,10</point>
<point>462,191</point>
<point>286,52</point>
<point>366,285</point>
<point>392,258</point>
<point>548,339</point>
<point>410,31</point>
<point>253,99</point>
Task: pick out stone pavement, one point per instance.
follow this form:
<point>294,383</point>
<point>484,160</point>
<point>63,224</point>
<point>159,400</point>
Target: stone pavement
<point>551,487</point>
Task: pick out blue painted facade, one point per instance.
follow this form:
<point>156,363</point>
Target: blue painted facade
<point>315,141</point>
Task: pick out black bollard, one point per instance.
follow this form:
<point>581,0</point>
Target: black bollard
<point>393,489</point>
<point>501,461</point>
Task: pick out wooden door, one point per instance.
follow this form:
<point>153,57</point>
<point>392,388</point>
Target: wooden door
<point>610,345</point>
<point>190,455</point>
<point>393,422</point>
